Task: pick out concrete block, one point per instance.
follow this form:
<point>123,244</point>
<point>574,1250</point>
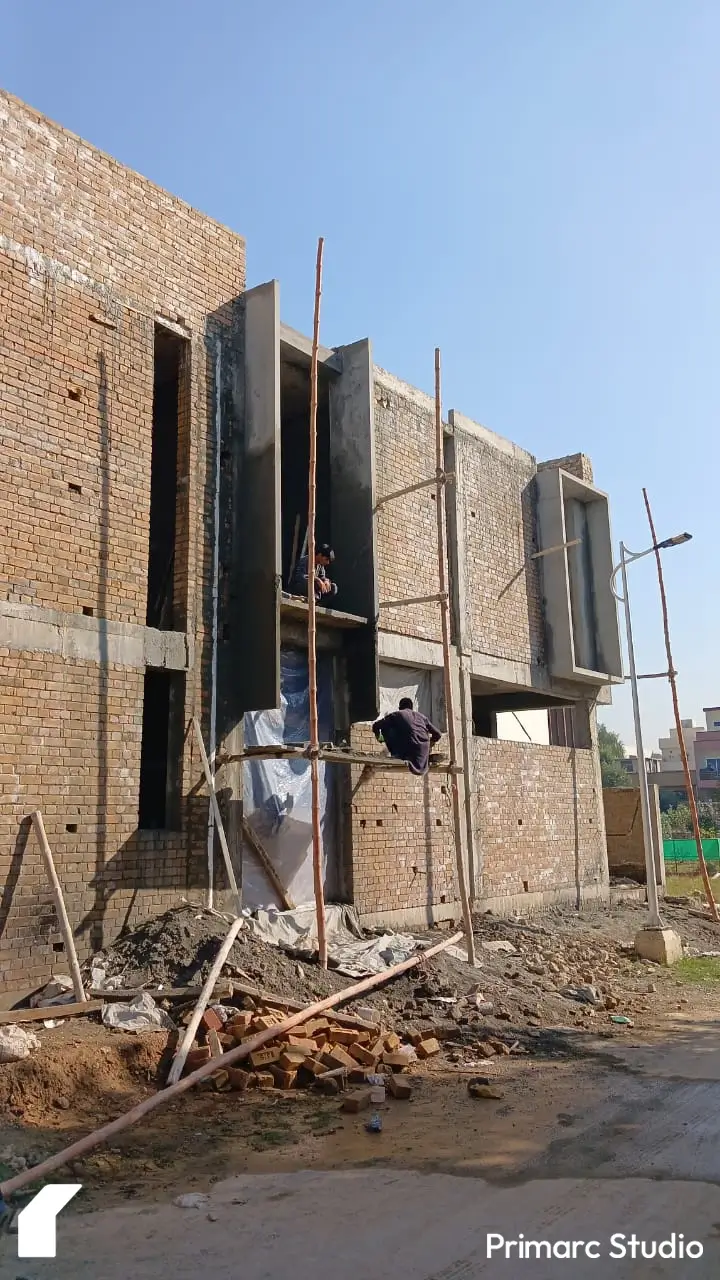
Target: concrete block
<point>663,946</point>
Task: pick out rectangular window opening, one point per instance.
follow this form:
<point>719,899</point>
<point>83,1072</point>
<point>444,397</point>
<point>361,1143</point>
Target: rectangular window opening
<point>161,750</point>
<point>531,719</point>
<point>295,456</point>
<point>167,496</point>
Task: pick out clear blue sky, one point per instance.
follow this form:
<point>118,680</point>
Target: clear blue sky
<point>533,185</point>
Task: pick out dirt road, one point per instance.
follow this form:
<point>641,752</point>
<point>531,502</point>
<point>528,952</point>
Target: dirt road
<point>641,1155</point>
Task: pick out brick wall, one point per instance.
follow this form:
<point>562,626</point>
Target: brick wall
<point>90,254</point>
<point>497,513</point>
<point>406,528</point>
<point>402,838</point>
<point>538,819</point>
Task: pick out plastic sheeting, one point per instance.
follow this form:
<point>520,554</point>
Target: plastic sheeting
<point>349,951</point>
<point>277,793</point>
<point>398,682</point>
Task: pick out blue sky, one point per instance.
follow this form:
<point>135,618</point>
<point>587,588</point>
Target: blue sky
<point>532,185</point>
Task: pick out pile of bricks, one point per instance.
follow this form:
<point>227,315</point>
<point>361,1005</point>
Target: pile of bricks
<point>322,1052</point>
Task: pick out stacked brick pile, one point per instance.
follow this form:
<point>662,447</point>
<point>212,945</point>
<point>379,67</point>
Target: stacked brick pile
<point>322,1052</point>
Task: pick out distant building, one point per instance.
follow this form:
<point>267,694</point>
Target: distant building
<point>670,746</point>
<point>707,751</point>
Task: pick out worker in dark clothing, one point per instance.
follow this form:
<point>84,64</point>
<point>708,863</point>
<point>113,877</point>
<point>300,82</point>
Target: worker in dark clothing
<point>325,588</point>
<point>408,736</point>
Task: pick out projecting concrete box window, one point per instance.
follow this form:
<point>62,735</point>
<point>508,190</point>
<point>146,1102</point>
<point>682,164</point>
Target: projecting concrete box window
<point>580,610</point>
<point>270,495</point>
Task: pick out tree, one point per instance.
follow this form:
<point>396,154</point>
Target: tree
<point>612,754</point>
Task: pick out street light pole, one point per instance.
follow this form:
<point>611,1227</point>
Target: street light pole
<point>650,868</point>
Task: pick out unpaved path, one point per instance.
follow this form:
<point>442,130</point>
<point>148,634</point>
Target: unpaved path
<point>635,1149</point>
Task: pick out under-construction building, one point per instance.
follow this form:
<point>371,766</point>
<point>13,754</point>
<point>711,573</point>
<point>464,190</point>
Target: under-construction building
<point>154,443</point>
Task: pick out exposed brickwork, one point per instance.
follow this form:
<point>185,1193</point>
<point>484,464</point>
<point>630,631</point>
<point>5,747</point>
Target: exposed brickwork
<point>406,538</point>
<point>402,838</point>
<point>538,818</point>
<point>496,499</point>
<point>90,254</point>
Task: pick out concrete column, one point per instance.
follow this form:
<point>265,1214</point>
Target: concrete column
<point>656,832</point>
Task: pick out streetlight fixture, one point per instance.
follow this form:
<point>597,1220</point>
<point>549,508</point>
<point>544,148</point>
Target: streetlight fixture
<point>629,557</point>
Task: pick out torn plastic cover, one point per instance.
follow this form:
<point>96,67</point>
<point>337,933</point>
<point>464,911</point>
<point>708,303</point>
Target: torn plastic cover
<point>349,951</point>
<point>277,793</point>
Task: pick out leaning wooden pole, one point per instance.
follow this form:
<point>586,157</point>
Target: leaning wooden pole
<point>678,720</point>
<point>312,625</point>
<point>80,1148</point>
<point>57,893</point>
<point>449,698</point>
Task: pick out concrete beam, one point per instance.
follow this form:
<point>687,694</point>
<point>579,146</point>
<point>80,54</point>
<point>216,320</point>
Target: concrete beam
<point>27,628</point>
<point>409,650</point>
<point>303,346</point>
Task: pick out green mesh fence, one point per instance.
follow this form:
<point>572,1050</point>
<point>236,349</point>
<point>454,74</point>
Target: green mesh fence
<point>679,851</point>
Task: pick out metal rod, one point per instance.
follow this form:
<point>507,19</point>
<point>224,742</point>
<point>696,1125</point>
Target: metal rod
<point>654,675</point>
<point>445,477</point>
<point>312,624</point>
<point>398,604</point>
<point>444,598</point>
<point>650,869</point>
<point>678,721</point>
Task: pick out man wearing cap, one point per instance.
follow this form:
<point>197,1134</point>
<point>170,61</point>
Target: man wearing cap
<point>325,588</point>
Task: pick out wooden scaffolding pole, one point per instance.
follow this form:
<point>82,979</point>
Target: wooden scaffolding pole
<point>678,721</point>
<point>444,601</point>
<point>312,625</point>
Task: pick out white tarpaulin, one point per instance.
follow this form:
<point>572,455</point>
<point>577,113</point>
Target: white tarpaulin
<point>348,951</point>
<point>405,682</point>
<point>277,793</point>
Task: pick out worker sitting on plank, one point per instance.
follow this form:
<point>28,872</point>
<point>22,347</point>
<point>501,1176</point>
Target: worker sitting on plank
<point>324,586</point>
<point>408,736</point>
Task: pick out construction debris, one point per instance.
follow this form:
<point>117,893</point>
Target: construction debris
<point>141,1014</point>
<point>16,1043</point>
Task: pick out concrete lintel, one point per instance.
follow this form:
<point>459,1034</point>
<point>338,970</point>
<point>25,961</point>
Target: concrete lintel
<point>293,338</point>
<point>521,675</point>
<point>27,628</point>
<point>409,650</point>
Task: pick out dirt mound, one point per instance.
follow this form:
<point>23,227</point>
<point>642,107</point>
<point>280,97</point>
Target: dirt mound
<point>83,1080</point>
<point>178,949</point>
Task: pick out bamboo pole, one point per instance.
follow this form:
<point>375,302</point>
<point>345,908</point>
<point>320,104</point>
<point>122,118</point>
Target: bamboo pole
<point>449,698</point>
<point>210,780</point>
<point>312,624</point>
<point>180,1058</point>
<point>95,1139</point>
<point>59,900</point>
<point>671,673</point>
